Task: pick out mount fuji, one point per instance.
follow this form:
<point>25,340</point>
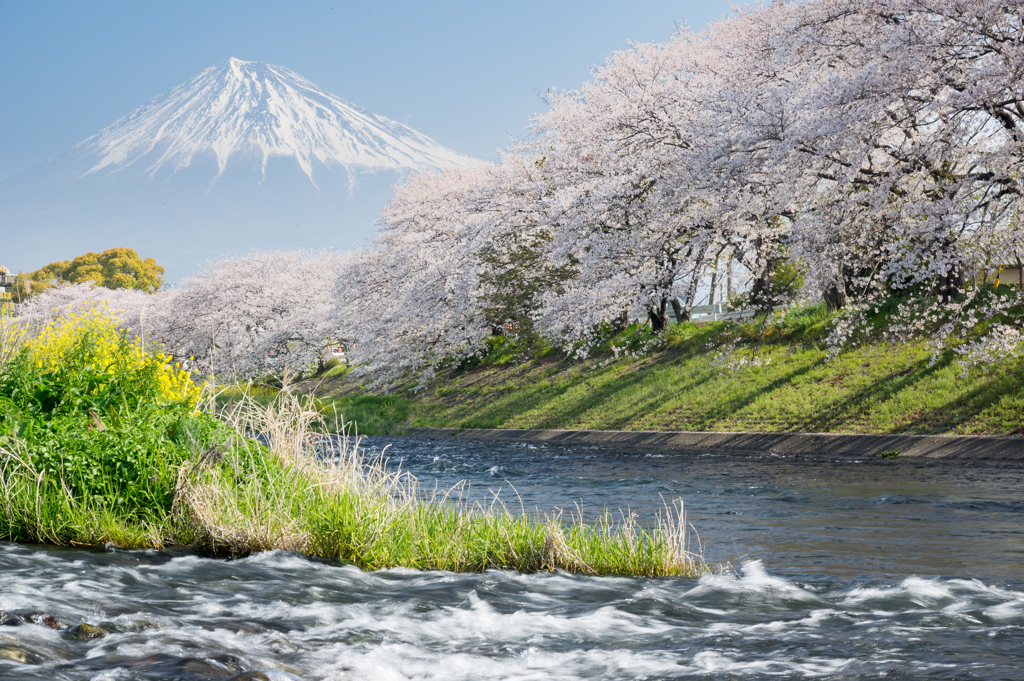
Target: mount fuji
<point>245,155</point>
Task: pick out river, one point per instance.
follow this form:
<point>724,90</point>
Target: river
<point>831,569</point>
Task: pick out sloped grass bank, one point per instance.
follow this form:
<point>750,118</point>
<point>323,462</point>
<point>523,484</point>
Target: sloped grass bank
<point>101,441</point>
<point>722,377</point>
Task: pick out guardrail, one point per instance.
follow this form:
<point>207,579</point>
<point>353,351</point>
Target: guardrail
<point>714,313</point>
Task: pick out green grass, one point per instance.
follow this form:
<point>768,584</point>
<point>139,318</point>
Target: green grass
<point>242,497</point>
<point>370,414</point>
<point>695,380</point>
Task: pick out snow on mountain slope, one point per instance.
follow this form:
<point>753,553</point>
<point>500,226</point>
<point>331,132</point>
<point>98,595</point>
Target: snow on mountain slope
<point>247,107</point>
<point>244,156</point>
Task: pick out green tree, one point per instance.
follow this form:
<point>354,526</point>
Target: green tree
<point>113,268</point>
<point>515,273</point>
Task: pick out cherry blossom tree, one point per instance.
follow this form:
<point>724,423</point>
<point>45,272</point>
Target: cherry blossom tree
<point>132,308</point>
<point>874,143</point>
<point>905,163</point>
<point>265,313</point>
<point>412,299</point>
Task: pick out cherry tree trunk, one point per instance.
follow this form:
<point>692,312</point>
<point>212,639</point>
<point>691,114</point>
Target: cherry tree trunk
<point>682,314</point>
<point>659,315</point>
<point>836,297</point>
<point>761,293</point>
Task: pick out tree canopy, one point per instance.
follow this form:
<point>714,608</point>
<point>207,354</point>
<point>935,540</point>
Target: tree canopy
<point>114,268</point>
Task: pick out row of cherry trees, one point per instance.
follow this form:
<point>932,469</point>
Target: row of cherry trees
<point>875,144</point>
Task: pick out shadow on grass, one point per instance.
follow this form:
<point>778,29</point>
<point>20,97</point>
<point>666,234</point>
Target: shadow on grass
<point>971,406</point>
<point>863,401</point>
<point>561,409</point>
<point>892,389</point>
<point>728,407</point>
<point>955,412</point>
<point>372,414</point>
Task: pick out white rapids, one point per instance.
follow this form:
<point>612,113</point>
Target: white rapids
<point>288,617</point>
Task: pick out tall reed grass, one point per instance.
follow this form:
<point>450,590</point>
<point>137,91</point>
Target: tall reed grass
<point>294,487</point>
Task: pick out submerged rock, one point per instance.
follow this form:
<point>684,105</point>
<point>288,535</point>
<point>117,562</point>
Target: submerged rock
<point>8,619</point>
<point>18,654</point>
<point>250,676</point>
<point>41,618</point>
<point>86,632</point>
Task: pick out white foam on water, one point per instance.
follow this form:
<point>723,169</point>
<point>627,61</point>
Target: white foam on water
<point>408,661</point>
<point>113,674</point>
<point>280,612</point>
<point>814,619</point>
<point>480,622</point>
<point>752,580</point>
<point>961,599</point>
<point>1007,612</point>
<point>717,663</point>
<point>925,593</point>
<point>257,651</point>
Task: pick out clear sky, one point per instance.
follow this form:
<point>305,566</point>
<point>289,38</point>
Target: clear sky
<point>467,74</point>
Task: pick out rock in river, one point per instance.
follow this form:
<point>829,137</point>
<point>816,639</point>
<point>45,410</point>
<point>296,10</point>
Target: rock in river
<point>41,618</point>
<point>18,654</point>
<point>8,619</point>
<point>85,632</point>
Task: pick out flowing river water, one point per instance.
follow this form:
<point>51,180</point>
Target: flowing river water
<point>833,569</point>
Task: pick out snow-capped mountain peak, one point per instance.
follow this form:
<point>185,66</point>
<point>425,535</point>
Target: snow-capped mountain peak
<point>252,110</point>
<point>244,156</point>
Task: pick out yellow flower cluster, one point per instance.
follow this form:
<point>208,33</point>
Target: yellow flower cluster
<point>96,332</point>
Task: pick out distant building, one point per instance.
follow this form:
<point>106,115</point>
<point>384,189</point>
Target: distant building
<point>1003,275</point>
<point>1009,275</point>
<point>6,289</point>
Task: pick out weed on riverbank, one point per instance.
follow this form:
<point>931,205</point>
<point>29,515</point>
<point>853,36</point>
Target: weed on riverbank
<point>93,431</point>
<point>366,414</point>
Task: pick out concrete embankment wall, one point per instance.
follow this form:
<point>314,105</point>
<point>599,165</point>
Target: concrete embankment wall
<point>811,444</point>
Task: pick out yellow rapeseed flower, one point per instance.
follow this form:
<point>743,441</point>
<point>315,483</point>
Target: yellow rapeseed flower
<point>96,331</point>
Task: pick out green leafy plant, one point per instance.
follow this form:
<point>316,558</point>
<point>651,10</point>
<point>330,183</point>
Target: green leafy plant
<point>96,418</point>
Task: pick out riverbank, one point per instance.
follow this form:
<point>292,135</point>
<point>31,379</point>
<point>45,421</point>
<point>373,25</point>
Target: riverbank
<point>830,445</point>
<point>833,562</point>
<point>711,378</point>
<point>296,488</point>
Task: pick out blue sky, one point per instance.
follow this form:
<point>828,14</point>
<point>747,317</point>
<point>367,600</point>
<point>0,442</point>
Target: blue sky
<point>465,73</point>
